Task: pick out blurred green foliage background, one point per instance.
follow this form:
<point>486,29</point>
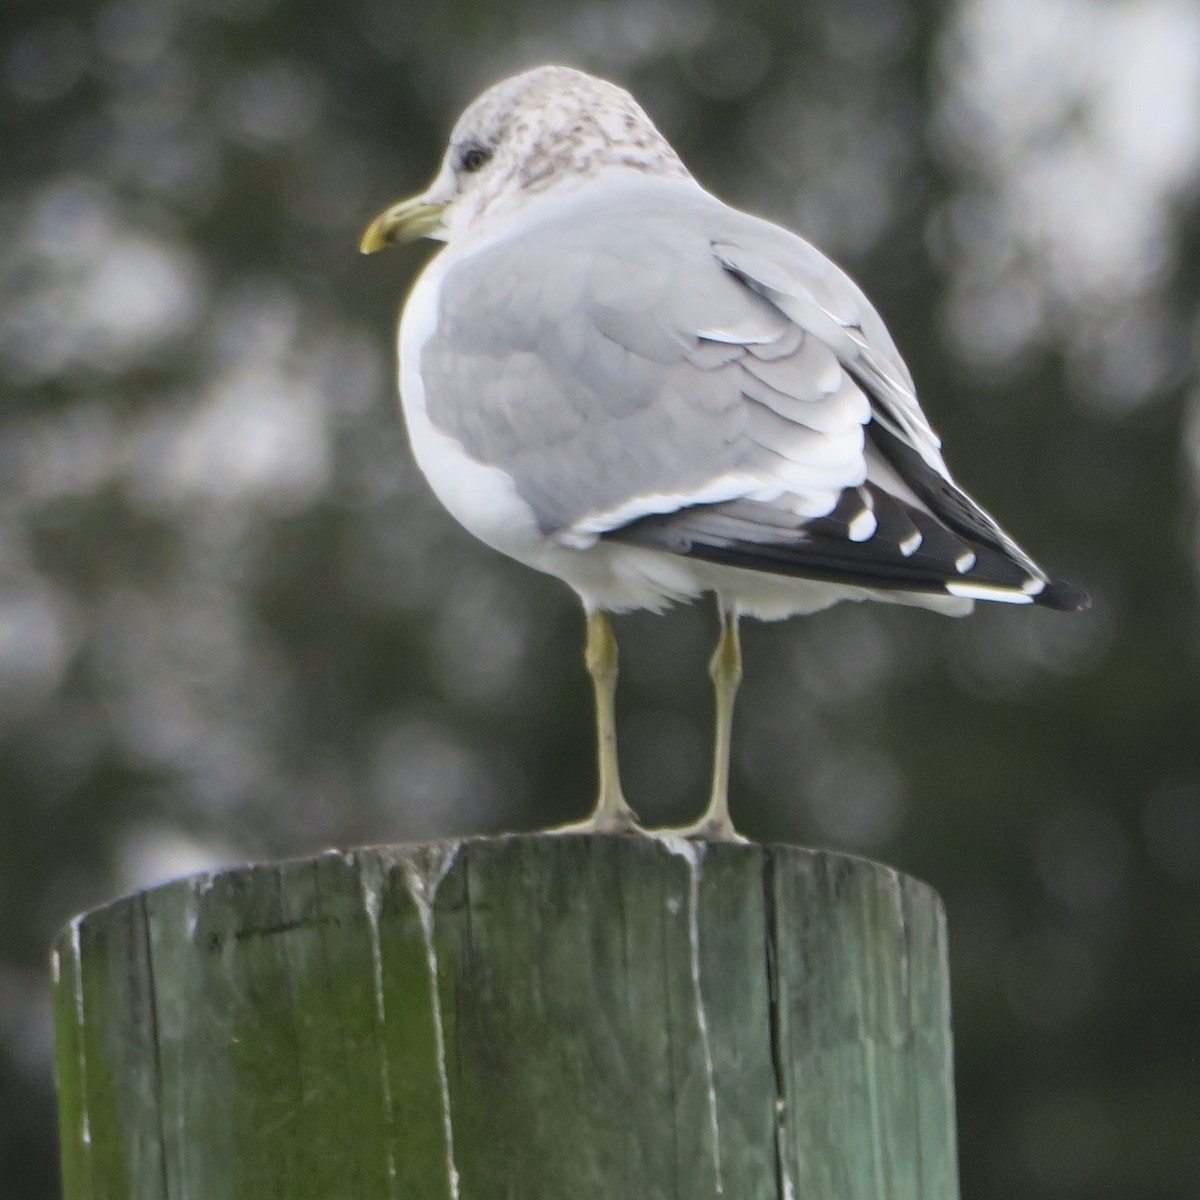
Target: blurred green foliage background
<point>233,622</point>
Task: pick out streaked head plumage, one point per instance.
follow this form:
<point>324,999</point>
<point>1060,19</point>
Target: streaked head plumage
<point>549,128</point>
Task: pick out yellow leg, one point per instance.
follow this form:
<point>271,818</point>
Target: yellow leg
<point>725,667</point>
<point>612,813</point>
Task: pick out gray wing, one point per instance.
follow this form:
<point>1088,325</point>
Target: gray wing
<point>603,365</point>
<point>684,376</point>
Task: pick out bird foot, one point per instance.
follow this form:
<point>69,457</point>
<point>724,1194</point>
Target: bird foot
<point>621,821</point>
<point>707,829</point>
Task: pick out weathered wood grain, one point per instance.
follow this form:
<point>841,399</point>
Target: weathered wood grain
<point>517,1018</point>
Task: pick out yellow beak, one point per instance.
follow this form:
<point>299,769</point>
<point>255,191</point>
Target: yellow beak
<point>403,222</point>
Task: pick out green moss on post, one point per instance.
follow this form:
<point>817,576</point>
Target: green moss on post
<point>537,1018</point>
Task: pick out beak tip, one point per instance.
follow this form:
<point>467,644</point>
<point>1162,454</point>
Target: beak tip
<point>372,240</point>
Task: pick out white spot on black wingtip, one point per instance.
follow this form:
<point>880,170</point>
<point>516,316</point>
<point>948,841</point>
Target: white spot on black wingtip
<point>986,591</point>
<point>863,526</point>
<point>965,561</point>
<point>1048,593</point>
<point>911,544</point>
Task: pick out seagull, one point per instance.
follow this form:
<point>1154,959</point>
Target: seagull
<point>614,377</point>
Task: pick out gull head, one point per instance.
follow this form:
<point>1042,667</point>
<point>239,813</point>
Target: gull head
<point>548,129</point>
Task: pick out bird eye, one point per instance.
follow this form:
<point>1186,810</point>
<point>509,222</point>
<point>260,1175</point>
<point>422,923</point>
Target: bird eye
<point>473,156</point>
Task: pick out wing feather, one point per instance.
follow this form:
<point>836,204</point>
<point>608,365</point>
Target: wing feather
<point>706,383</point>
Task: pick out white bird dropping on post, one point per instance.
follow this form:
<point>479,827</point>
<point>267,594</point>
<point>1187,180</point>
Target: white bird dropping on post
<point>614,377</point>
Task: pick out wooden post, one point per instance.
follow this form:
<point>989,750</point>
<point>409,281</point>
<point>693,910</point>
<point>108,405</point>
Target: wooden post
<point>514,1018</point>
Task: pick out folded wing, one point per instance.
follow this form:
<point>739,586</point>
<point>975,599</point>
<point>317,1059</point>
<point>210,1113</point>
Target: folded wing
<point>678,375</point>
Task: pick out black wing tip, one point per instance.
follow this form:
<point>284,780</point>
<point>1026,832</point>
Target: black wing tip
<point>1063,596</point>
